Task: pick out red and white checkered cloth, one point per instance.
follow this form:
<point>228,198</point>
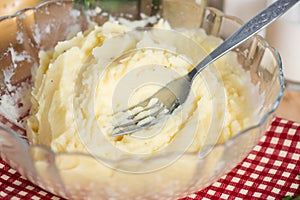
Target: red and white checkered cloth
<point>271,171</point>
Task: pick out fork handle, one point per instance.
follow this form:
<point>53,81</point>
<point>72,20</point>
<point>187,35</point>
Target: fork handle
<point>253,26</point>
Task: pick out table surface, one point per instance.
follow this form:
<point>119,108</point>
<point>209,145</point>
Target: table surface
<point>289,107</point>
<point>270,171</point>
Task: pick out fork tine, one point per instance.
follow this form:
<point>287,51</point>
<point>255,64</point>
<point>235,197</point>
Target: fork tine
<point>135,121</point>
<point>125,132</point>
<point>140,116</point>
<point>145,105</point>
<point>134,128</point>
<point>137,124</point>
<point>134,115</point>
<point>136,110</point>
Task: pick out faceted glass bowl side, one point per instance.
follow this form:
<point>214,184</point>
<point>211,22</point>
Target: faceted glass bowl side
<point>40,28</point>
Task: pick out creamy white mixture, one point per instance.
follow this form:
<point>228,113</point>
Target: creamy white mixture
<point>76,83</point>
<point>86,79</point>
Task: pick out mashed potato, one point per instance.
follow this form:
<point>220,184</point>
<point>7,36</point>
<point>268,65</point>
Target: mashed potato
<point>73,95</point>
<point>84,80</point>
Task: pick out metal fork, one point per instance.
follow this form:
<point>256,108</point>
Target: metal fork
<point>175,93</point>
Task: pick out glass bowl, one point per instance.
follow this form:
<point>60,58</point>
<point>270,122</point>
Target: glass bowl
<point>30,30</point>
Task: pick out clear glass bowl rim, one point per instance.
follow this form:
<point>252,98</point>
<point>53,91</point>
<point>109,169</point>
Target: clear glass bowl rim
<point>263,119</point>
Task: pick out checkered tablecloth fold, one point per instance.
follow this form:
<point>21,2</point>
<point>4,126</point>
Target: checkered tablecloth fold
<point>270,171</point>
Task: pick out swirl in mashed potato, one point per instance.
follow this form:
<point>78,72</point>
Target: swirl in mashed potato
<point>74,88</point>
